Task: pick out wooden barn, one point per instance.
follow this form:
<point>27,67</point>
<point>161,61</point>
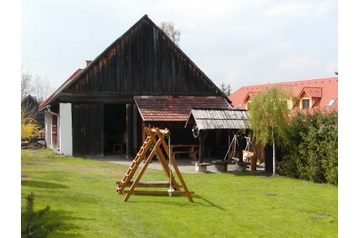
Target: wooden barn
<point>30,108</point>
<point>141,79</point>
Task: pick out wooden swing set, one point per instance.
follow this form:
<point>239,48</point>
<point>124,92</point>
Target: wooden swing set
<point>155,139</point>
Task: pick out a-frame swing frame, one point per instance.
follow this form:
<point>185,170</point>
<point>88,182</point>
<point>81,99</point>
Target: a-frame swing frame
<point>155,139</point>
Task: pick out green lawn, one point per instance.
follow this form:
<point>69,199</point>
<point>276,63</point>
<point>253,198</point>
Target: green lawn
<point>83,203</point>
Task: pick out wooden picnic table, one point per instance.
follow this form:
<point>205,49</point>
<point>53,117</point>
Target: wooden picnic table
<point>190,149</point>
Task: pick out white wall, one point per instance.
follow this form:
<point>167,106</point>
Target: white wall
<point>66,129</point>
<point>48,130</point>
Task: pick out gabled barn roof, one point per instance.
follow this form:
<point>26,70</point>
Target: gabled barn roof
<point>143,61</point>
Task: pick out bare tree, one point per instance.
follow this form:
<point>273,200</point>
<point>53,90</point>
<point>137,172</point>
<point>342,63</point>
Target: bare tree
<point>225,89</point>
<point>170,31</point>
<point>26,84</point>
<point>38,87</point>
<point>41,88</point>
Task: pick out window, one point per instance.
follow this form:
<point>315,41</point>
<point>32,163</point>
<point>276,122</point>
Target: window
<point>289,104</point>
<point>331,102</point>
<point>305,104</point>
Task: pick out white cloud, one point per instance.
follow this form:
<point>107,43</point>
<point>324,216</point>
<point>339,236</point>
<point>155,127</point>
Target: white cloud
<point>260,52</point>
<point>297,64</point>
<point>331,67</point>
<point>294,9</point>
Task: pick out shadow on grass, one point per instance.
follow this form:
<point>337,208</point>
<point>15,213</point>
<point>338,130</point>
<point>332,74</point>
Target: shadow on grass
<point>207,202</point>
<point>39,184</point>
<point>198,200</point>
<point>251,174</point>
<point>55,222</point>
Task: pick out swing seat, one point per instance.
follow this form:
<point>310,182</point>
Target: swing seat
<point>235,159</point>
<point>251,158</point>
<point>246,155</point>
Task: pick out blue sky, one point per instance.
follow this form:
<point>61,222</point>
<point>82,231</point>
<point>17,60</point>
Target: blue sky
<point>235,42</point>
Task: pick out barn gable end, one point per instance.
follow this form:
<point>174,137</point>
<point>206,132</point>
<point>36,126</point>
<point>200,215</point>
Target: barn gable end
<point>143,61</point>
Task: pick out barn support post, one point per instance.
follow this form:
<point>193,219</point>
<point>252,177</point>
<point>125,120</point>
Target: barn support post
<point>135,128</point>
<point>202,137</point>
<point>129,122</point>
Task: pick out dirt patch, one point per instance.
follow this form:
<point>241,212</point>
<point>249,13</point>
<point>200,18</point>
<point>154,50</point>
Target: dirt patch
<point>37,145</point>
<point>23,175</point>
<point>271,195</point>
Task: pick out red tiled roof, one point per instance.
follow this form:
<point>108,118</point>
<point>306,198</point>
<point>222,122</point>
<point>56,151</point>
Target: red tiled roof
<point>152,108</point>
<point>45,102</point>
<point>328,90</point>
<point>312,92</point>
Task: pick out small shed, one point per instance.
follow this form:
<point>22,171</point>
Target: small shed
<point>210,119</point>
<point>203,120</point>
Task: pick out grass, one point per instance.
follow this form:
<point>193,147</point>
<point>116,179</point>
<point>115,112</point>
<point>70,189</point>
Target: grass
<point>83,203</point>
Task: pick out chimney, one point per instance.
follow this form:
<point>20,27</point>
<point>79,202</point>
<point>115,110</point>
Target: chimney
<point>88,62</point>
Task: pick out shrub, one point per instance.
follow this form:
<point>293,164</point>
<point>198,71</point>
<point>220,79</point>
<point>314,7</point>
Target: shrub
<point>31,223</point>
<point>29,128</point>
<point>311,147</point>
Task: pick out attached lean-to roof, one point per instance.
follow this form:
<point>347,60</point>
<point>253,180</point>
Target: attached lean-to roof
<point>166,108</point>
<point>54,94</point>
<point>206,119</point>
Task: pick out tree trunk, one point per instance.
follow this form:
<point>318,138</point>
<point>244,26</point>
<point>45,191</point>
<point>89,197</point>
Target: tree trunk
<point>273,154</point>
<point>273,159</point>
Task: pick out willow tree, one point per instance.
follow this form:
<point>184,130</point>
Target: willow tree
<point>269,116</point>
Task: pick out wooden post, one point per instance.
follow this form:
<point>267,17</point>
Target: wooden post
<point>202,137</point>
<point>129,125</point>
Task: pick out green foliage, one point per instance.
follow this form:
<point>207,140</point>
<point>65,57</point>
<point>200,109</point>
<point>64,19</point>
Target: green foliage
<point>29,127</point>
<point>269,115</point>
<point>32,224</point>
<point>311,147</point>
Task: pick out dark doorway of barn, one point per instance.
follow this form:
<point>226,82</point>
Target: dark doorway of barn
<point>114,129</point>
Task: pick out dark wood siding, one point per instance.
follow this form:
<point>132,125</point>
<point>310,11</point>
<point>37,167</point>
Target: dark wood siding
<point>87,122</point>
<point>144,62</point>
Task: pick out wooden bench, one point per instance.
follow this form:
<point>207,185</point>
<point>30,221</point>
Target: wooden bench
<point>192,154</point>
<point>201,167</point>
<point>220,165</point>
<point>240,165</point>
